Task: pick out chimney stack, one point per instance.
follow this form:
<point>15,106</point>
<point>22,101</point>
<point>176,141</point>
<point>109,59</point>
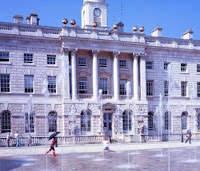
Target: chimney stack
<point>18,19</point>
<point>188,34</point>
<point>157,32</point>
<point>33,19</point>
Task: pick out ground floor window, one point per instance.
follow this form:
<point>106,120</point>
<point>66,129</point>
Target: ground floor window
<point>52,121</point>
<point>150,121</point>
<point>29,122</point>
<point>184,120</point>
<point>127,120</point>
<point>5,122</point>
<point>85,122</point>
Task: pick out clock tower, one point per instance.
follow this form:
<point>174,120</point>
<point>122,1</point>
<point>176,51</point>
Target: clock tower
<point>94,11</point>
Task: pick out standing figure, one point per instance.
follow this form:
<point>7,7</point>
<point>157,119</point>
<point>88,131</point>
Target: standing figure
<point>141,128</point>
<point>8,137</point>
<point>17,140</point>
<point>53,143</point>
<point>29,140</point>
<point>105,143</point>
<point>188,135</point>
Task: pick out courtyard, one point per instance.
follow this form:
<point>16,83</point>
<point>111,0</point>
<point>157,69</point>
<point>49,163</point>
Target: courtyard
<point>140,157</point>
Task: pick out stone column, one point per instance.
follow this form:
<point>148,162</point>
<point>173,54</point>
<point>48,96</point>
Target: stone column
<point>135,77</point>
<point>143,77</point>
<point>95,74</point>
<point>116,75</point>
<point>65,70</point>
<point>74,78</point>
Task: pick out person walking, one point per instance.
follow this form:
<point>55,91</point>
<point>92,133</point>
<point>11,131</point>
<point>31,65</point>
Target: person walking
<point>105,143</point>
<point>8,137</point>
<point>17,140</point>
<point>188,135</point>
<point>53,143</point>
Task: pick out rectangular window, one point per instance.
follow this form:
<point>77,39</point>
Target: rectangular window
<point>198,89</point>
<point>166,64</point>
<point>52,84</point>
<point>28,83</point>
<point>183,88</point>
<point>51,59</point>
<point>122,64</point>
<point>82,85</point>
<point>198,67</point>
<point>150,87</point>
<point>28,58</point>
<point>166,86</point>
<point>104,85</point>
<point>4,56</point>
<point>5,82</point>
<point>102,62</point>
<point>149,65</point>
<point>122,88</point>
<point>183,67</point>
<point>82,62</point>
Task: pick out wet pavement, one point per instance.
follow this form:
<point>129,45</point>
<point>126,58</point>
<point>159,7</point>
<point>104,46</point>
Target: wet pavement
<point>180,159</point>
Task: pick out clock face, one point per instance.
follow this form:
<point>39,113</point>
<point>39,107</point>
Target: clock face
<point>97,12</point>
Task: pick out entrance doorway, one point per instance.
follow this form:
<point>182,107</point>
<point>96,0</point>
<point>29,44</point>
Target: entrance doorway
<point>107,124</point>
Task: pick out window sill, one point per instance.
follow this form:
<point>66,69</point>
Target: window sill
<point>5,63</point>
<point>54,66</point>
<point>184,72</point>
<point>27,64</point>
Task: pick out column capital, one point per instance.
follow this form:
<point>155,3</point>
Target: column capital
<point>116,54</point>
<point>95,52</point>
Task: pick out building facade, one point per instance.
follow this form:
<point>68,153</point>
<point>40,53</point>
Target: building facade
<point>94,81</point>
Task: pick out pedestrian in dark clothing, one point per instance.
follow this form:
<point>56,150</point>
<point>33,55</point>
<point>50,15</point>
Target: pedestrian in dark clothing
<point>53,143</point>
<point>188,135</point>
<point>8,139</point>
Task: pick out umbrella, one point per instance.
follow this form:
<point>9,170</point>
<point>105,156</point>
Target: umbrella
<point>53,135</point>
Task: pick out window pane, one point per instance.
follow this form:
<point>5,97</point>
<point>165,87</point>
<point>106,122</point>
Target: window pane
<point>183,67</point>
<point>82,84</point>
<point>102,62</point>
<point>51,59</point>
<point>150,88</point>
<point>150,121</point>
<point>122,63</point>
<point>149,65</point>
<point>52,119</point>
<point>28,58</point>
<point>183,88</point>
<point>166,86</point>
<point>166,64</point>
<point>29,122</point>
<point>198,67</point>
<point>6,122</point>
<point>52,84</point>
<point>82,62</point>
<point>198,89</point>
<point>85,122</point>
<point>5,82</point>
<point>122,87</point>
<point>28,83</point>
<point>127,120</point>
<point>4,56</point>
<point>104,85</point>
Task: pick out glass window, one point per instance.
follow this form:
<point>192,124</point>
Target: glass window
<point>198,89</point>
<point>4,56</point>
<point>82,62</point>
<point>184,120</point>
<point>166,64</point>
<point>5,82</point>
<point>102,62</point>
<point>150,87</point>
<point>5,122</point>
<point>122,64</point>
<point>198,67</point>
<point>183,67</point>
<point>28,58</point>
<point>166,86</point>
<point>52,84</point>
<point>29,122</point>
<point>150,121</point>
<point>198,120</point>
<point>51,59</point>
<point>82,85</point>
<point>167,119</point>
<point>149,65</point>
<point>127,121</point>
<point>104,85</point>
<point>28,83</point>
<point>122,87</point>
<point>85,122</point>
<point>183,88</point>
<point>52,120</point>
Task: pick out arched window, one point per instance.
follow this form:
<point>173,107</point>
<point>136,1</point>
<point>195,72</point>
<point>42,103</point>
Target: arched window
<point>29,122</point>
<point>167,120</point>
<point>150,121</point>
<point>184,120</point>
<point>5,122</point>
<point>52,119</point>
<point>127,120</point>
<point>85,122</point>
<point>198,120</point>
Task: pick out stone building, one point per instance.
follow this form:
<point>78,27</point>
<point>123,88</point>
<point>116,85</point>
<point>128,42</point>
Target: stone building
<point>94,80</point>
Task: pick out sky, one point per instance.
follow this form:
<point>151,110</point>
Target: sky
<point>174,16</point>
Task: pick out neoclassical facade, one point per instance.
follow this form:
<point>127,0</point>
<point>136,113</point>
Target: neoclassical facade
<point>95,80</point>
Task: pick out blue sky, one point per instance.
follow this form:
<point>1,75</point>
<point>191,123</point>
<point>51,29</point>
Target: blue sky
<point>174,16</point>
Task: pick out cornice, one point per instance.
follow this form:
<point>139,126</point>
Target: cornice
<point>158,48</point>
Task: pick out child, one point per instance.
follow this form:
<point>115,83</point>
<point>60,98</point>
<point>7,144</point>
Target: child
<point>105,145</point>
<point>54,142</point>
